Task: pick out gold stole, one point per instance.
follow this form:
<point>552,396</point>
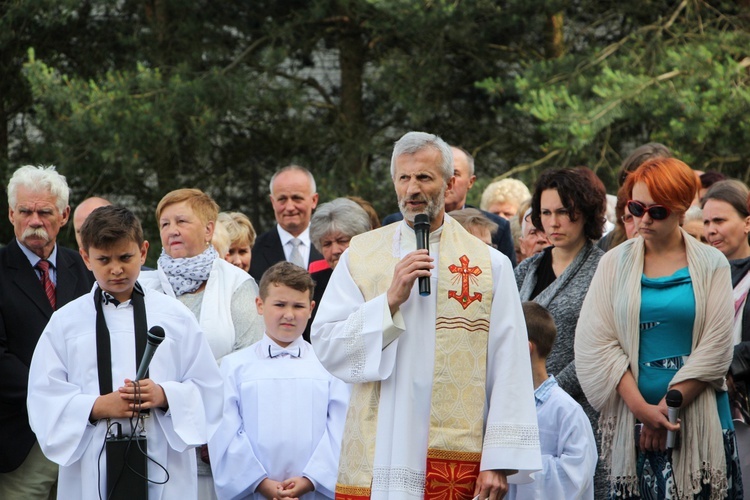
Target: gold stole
<point>464,302</point>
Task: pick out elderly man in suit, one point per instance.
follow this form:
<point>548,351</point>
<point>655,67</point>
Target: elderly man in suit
<point>37,276</point>
<point>294,198</point>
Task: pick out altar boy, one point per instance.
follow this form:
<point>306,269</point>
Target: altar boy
<point>73,401</point>
<point>280,435</point>
<point>567,441</point>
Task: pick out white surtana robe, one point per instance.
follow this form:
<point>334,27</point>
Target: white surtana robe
<point>568,453</point>
<point>283,417</point>
<point>399,352</point>
<point>63,385</point>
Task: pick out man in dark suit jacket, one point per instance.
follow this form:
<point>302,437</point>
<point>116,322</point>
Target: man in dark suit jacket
<point>38,208</point>
<point>293,198</point>
<point>455,199</point>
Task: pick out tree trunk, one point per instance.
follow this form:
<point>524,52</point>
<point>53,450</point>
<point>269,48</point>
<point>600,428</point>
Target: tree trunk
<point>6,230</point>
<point>351,118</point>
<point>744,9</point>
<point>554,44</point>
<point>3,139</point>
<point>156,14</point>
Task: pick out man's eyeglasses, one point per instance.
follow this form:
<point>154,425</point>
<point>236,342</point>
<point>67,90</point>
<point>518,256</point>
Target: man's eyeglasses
<point>656,212</point>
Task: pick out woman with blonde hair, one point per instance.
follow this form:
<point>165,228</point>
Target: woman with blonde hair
<point>503,197</point>
<point>241,235</point>
<point>221,296</point>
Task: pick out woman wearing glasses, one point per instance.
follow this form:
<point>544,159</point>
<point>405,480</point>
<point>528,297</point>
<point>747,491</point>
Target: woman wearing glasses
<point>569,207</point>
<point>658,317</point>
<point>624,227</point>
<point>625,217</point>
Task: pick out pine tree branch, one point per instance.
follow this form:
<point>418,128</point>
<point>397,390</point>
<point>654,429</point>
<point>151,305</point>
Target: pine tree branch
<point>528,166</point>
<point>249,50</point>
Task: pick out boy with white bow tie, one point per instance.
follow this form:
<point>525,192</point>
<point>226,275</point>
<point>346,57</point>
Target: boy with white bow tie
<point>284,414</point>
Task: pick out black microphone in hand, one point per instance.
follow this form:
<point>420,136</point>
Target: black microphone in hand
<point>154,338</point>
<point>422,229</point>
<point>674,401</point>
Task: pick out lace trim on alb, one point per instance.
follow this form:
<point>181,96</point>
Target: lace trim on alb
<point>355,345</point>
<point>398,479</point>
<point>511,436</point>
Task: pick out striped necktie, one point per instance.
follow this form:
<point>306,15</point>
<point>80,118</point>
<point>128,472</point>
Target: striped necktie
<point>49,287</point>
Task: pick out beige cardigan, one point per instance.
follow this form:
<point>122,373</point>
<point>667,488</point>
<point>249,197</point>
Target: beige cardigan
<point>607,339</point>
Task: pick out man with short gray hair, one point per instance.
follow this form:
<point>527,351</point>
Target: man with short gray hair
<point>37,276</point>
<point>293,197</point>
<point>442,402</point>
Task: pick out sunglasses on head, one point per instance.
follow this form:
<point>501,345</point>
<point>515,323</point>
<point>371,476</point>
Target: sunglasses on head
<point>656,212</point>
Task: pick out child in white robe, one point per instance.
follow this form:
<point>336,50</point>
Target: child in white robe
<point>283,412</point>
<point>182,392</point>
<point>567,441</point>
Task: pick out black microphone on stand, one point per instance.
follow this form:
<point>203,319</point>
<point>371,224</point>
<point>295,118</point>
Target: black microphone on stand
<point>674,401</point>
<point>422,230</point>
<point>154,338</point>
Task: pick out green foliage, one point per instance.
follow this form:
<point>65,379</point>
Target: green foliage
<point>135,98</point>
<point>682,81</point>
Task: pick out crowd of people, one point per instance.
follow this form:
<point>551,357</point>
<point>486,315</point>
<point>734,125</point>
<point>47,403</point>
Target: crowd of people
<point>530,348</point>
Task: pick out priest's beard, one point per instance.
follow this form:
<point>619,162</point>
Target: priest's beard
<point>433,208</point>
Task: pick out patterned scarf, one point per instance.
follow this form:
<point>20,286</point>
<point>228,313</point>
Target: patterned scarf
<point>187,274</point>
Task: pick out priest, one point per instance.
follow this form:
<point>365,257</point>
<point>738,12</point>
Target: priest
<point>443,399</point>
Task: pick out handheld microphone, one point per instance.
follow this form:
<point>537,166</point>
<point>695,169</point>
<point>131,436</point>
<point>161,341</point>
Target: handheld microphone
<point>422,230</point>
<point>674,401</point>
<point>154,338</point>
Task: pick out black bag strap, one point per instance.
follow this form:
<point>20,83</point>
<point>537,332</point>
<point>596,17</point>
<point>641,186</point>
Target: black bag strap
<point>103,344</point>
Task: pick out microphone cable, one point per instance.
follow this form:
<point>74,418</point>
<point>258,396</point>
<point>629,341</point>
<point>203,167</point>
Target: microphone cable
<point>133,419</point>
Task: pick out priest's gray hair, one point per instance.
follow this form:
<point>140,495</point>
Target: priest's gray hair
<point>412,142</point>
<point>37,180</point>
<point>340,215</point>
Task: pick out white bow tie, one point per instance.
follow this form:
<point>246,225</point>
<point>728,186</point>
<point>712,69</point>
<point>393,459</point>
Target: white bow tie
<point>276,351</point>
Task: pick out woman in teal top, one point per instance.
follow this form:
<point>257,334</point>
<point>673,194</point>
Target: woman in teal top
<point>666,324</point>
<point>657,318</point>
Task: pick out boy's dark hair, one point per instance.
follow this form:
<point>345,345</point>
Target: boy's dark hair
<point>541,327</point>
<point>106,226</point>
<point>287,274</point>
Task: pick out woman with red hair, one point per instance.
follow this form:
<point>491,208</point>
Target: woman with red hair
<point>658,317</point>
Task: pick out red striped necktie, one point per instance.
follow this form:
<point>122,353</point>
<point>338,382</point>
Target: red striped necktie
<point>49,287</point>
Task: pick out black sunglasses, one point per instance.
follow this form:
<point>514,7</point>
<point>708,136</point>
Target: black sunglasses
<point>656,212</point>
